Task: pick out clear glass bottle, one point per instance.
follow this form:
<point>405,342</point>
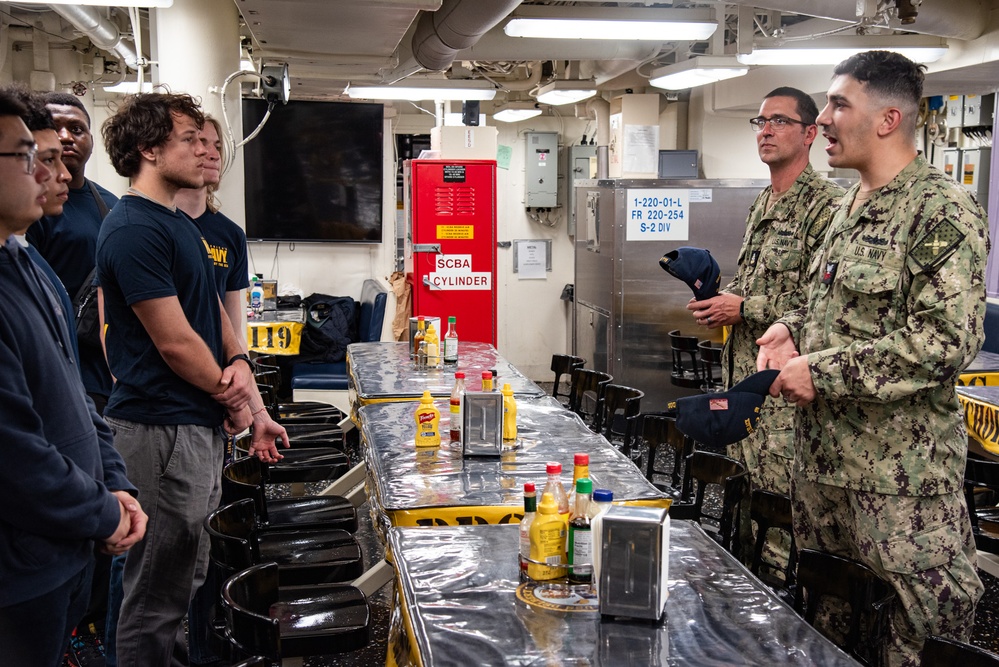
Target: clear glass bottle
<point>421,356</point>
<point>530,511</point>
<point>451,343</point>
<point>580,541</point>
<point>457,395</point>
<point>554,487</point>
<point>421,331</point>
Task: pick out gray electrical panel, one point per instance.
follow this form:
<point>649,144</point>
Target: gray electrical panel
<point>952,163</point>
<point>541,170</point>
<point>976,163</point>
<point>581,165</point>
<point>955,111</point>
<point>978,109</point>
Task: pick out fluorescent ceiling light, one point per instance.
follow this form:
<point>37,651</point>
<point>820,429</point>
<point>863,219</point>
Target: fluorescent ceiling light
<point>835,49</point>
<point>514,112</point>
<point>565,91</point>
<point>697,71</point>
<point>130,87</point>
<point>660,25</point>
<point>162,4</point>
<point>431,89</point>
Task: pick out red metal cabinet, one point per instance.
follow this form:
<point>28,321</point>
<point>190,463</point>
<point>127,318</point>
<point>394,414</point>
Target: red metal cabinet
<point>451,243</point>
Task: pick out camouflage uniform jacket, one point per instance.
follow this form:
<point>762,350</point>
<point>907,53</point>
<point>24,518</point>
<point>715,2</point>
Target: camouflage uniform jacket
<point>771,278</point>
<point>895,312</point>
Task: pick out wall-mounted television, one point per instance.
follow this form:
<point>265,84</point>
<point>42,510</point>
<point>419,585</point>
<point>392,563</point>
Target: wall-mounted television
<point>314,173</point>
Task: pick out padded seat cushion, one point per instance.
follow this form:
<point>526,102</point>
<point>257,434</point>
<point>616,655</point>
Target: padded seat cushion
<point>326,511</point>
<point>320,376</point>
<point>330,616</point>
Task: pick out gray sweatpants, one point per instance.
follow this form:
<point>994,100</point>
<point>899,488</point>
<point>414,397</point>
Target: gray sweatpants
<point>177,470</point>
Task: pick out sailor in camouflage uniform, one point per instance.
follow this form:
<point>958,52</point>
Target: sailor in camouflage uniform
<point>786,224</point>
<point>895,312</point>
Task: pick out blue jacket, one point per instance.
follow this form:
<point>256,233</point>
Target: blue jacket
<point>58,462</point>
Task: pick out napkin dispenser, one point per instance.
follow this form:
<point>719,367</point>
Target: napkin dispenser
<point>634,557</point>
<point>482,423</point>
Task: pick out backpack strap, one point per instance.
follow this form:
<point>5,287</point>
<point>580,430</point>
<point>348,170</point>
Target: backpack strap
<point>102,205</point>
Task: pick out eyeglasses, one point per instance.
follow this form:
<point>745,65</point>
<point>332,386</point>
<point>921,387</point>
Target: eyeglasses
<point>29,159</point>
<point>777,123</point>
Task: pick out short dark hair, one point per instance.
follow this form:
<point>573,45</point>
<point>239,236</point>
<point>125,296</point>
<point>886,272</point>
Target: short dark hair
<point>805,105</point>
<point>887,74</point>
<point>65,99</point>
<point>10,105</point>
<point>144,121</point>
<point>37,116</point>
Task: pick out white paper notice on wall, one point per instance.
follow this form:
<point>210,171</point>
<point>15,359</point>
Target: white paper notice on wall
<point>657,215</point>
<point>454,272</point>
<point>531,260</point>
<point>641,148</point>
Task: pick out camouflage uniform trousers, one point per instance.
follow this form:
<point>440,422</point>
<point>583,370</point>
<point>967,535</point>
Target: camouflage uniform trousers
<point>765,455</point>
<point>921,545</point>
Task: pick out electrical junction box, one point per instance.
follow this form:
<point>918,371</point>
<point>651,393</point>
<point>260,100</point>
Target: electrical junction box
<point>952,163</point>
<point>955,111</point>
<point>541,170</point>
<point>978,110</point>
<point>581,165</point>
<point>975,172</point>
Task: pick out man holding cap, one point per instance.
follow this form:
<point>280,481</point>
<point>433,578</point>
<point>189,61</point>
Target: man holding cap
<point>895,311</point>
<point>785,226</point>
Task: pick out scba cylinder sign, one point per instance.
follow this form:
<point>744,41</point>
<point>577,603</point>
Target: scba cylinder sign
<point>454,272</point>
<point>658,215</point>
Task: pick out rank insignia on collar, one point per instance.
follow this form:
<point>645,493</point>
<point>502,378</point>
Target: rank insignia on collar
<point>937,244</point>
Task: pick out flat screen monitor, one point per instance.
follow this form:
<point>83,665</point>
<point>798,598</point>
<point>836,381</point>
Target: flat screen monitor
<point>314,173</point>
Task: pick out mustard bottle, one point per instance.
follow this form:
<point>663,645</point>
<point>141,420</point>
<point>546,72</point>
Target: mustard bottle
<point>428,419</point>
<point>547,542</point>
<point>509,413</point>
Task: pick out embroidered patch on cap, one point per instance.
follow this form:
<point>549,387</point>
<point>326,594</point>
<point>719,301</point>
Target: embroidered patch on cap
<point>718,404</point>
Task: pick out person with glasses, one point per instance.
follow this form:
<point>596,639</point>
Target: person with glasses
<point>784,229</point>
<point>63,487</point>
<point>895,311</point>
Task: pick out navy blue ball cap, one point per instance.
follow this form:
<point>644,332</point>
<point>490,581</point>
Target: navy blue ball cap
<point>696,267</point>
<point>726,417</point>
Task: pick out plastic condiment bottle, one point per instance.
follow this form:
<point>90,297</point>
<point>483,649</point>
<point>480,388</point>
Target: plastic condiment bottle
<point>580,469</point>
<point>421,331</point>
<point>554,487</point>
<point>580,541</point>
<point>601,503</point>
<point>456,397</point>
<point>451,343</point>
<point>257,297</point>
<point>428,419</point>
<point>530,509</point>
<point>433,347</point>
<point>487,381</point>
<point>509,414</point>
<point>547,541</point>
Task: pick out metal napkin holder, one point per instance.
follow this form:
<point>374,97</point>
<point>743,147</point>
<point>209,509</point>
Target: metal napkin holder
<point>482,423</point>
<point>634,569</point>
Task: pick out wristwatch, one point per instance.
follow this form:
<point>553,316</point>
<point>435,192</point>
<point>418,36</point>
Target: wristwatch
<point>246,358</point>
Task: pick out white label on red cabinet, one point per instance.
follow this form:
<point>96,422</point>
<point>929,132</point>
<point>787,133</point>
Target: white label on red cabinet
<point>454,272</point>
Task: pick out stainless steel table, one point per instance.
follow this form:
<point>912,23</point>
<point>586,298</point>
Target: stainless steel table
<point>384,372</point>
<point>438,487</point>
<point>460,607</point>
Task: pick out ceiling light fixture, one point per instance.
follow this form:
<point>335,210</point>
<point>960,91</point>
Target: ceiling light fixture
<point>697,71</point>
<point>660,25</point>
<point>835,49</point>
<point>566,91</point>
<point>159,4</point>
<point>426,90</point>
<point>514,112</point>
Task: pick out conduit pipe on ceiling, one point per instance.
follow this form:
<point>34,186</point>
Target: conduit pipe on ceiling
<point>957,19</point>
<point>599,109</point>
<point>100,31</point>
<point>457,25</point>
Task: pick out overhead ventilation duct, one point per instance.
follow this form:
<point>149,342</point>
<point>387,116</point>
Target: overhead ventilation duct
<point>99,30</point>
<point>956,19</point>
<point>457,25</point>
